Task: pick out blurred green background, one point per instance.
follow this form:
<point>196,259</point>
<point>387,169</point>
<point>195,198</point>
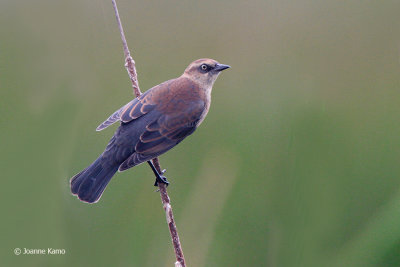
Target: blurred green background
<point>297,163</point>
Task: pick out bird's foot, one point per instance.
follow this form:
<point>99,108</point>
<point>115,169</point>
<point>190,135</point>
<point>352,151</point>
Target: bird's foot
<point>161,179</point>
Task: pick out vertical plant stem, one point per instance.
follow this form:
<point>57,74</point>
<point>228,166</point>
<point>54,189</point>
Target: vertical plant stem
<point>129,62</point>
<point>131,68</point>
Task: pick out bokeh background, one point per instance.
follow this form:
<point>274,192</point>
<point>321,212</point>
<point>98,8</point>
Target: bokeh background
<point>297,163</point>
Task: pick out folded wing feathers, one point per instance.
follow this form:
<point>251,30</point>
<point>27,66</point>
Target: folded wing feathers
<point>112,119</point>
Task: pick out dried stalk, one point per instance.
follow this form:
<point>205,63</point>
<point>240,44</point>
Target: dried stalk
<point>130,67</point>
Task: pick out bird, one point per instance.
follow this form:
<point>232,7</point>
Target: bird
<point>150,125</point>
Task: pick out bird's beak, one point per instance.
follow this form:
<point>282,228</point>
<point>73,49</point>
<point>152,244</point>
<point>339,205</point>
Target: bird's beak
<point>221,67</point>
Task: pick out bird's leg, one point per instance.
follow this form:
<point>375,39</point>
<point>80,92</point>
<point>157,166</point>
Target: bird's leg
<point>160,178</point>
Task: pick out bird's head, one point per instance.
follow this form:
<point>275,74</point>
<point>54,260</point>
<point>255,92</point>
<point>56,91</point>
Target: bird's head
<point>204,71</point>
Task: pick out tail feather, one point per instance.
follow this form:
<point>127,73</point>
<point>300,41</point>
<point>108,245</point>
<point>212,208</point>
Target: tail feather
<point>90,183</point>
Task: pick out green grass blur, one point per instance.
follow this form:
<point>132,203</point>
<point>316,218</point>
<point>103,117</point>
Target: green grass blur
<point>297,163</point>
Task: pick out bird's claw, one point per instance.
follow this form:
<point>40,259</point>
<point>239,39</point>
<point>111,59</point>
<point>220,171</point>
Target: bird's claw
<point>161,179</point>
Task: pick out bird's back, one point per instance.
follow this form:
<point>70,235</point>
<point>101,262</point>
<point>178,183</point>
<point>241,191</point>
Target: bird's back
<point>156,122</point>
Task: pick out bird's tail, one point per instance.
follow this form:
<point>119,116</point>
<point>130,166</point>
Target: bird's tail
<point>90,183</point>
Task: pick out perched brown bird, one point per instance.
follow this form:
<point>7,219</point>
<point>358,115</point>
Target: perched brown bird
<point>151,125</point>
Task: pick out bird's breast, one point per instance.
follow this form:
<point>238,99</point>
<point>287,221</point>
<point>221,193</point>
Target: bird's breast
<point>207,102</point>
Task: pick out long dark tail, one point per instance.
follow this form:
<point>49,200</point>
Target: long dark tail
<point>90,183</point>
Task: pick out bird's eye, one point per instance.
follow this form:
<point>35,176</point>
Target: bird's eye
<point>204,67</point>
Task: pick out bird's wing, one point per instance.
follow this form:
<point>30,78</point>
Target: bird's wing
<point>131,111</point>
<point>164,133</point>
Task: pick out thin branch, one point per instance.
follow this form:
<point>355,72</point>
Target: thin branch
<point>180,259</point>
<point>130,67</point>
<point>129,62</point>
